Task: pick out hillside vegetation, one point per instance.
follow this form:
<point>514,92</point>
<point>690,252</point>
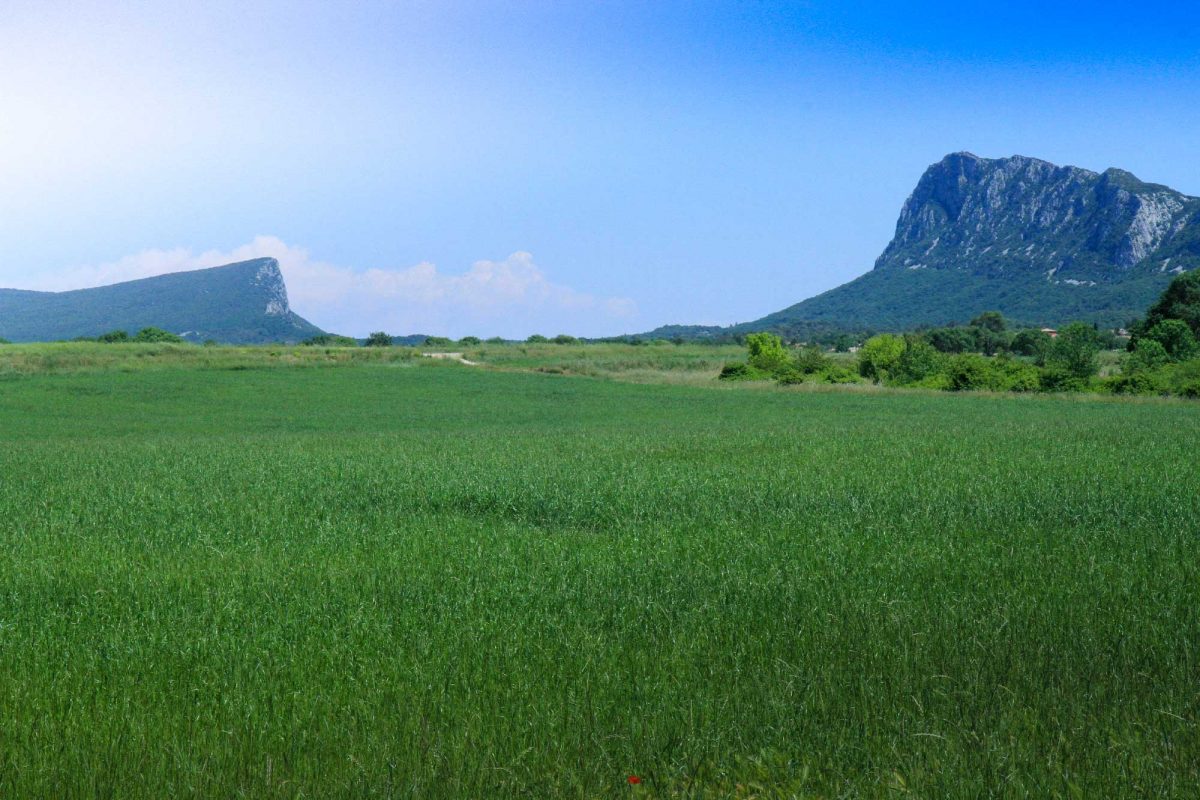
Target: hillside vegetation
<point>240,303</point>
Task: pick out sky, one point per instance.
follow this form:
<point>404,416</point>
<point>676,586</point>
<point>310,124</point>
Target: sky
<point>508,168</point>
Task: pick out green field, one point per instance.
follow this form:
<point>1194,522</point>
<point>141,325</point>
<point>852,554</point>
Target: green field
<point>234,575</point>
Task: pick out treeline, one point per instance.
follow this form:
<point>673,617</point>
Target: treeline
<point>1163,355</point>
<point>144,336</point>
<point>383,339</point>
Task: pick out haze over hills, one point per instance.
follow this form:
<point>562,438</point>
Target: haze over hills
<point>1041,243</point>
<point>241,303</point>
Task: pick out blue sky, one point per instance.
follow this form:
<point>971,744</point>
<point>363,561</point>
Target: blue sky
<point>510,168</point>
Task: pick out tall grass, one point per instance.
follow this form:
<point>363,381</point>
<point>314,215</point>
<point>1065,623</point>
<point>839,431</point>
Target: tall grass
<point>453,582</point>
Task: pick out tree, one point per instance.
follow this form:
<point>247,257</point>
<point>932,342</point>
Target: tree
<point>1074,351</point>
<point>470,341</point>
<point>879,356</point>
<point>990,320</point>
<point>563,338</point>
<point>1030,342</point>
<point>766,351</point>
<point>1181,301</point>
<point>378,339</point>
<point>537,338</point>
<point>113,337</point>
<point>951,340</point>
<point>918,361</point>
<point>1175,337</point>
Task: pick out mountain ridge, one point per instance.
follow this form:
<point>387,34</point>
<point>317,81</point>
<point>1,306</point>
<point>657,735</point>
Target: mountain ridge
<point>1042,243</point>
<point>240,303</point>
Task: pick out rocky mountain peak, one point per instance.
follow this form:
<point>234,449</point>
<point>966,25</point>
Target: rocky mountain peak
<point>1025,215</point>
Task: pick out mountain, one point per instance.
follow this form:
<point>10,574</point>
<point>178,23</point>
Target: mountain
<point>1041,243</point>
<point>241,303</point>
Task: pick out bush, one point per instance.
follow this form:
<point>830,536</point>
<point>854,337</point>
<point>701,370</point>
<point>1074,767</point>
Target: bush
<point>811,360</point>
<point>838,374</point>
<point>1059,379</point>
<point>496,340</point>
<point>969,371</point>
<point>156,335</point>
<point>470,341</point>
<point>739,371</point>
<point>438,341</point>
<point>113,337</point>
<point>537,338</point>
<point>4,341</point>
<point>1143,382</point>
<point>563,338</point>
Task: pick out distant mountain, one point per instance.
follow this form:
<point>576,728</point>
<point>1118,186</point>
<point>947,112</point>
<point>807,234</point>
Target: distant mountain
<point>241,303</point>
<point>1041,243</point>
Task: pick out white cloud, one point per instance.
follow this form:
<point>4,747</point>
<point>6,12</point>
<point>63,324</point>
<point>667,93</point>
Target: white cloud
<point>512,297</point>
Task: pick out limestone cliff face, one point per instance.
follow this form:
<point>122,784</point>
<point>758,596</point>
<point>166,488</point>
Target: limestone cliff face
<point>269,280</point>
<point>1021,215</point>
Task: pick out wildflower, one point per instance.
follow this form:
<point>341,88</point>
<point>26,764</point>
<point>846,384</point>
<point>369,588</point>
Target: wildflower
<point>634,780</point>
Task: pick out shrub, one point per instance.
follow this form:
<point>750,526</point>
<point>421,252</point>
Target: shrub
<point>470,341</point>
<point>563,338</point>
<point>969,371</point>
<point>836,373</point>
<point>4,341</point>
<point>112,337</point>
<point>1059,379</point>
<point>739,371</point>
<point>1142,382</point>
<point>438,341</point>
<point>1184,379</point>
<point>811,360</point>
<point>156,335</point>
<point>496,340</point>
<point>537,338</point>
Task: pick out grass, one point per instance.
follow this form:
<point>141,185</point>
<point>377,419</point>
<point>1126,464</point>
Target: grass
<point>446,581</point>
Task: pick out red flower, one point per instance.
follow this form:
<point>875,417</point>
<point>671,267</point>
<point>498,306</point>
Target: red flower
<point>634,780</point>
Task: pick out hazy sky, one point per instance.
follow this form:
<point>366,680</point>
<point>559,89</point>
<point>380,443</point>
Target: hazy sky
<point>510,168</point>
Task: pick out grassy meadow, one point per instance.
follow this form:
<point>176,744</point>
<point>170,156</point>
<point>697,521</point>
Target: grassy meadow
<point>307,572</point>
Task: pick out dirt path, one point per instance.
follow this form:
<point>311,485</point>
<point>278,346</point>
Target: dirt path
<point>452,357</point>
